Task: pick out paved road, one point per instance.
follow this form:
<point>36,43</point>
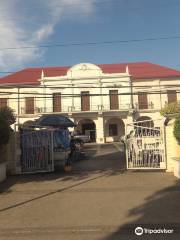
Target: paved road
<point>102,158</point>
<point>98,200</point>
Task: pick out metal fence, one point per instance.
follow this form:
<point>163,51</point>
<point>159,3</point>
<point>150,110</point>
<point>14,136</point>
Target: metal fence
<point>145,147</point>
<point>37,151</point>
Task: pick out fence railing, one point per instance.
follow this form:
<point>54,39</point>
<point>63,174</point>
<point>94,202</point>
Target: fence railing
<point>67,109</point>
<point>149,105</point>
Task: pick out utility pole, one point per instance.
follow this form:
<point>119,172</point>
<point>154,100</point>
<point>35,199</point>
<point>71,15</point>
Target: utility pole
<point>18,89</point>
<point>72,92</point>
<point>160,94</point>
<point>132,100</point>
<point>100,85</point>
<point>44,91</point>
<point>131,88</point>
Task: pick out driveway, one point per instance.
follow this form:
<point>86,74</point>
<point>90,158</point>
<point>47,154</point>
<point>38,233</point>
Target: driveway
<point>97,200</point>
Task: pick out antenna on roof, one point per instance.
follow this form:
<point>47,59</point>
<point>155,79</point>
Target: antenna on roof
<point>127,69</point>
<point>42,74</point>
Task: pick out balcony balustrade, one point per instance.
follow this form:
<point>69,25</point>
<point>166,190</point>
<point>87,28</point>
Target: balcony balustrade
<point>149,106</point>
<point>72,109</point>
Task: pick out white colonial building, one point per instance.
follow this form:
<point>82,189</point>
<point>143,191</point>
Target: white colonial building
<point>100,99</point>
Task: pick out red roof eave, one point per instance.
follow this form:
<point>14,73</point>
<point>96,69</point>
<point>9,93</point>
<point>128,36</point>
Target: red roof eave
<point>138,70</point>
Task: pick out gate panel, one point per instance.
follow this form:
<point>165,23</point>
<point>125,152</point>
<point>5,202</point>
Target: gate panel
<point>37,151</point>
<point>145,147</point>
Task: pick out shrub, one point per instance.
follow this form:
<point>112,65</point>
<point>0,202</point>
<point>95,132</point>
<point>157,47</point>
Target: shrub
<point>4,131</point>
<point>177,129</point>
<point>171,108</point>
<point>8,114</point>
<point>7,118</point>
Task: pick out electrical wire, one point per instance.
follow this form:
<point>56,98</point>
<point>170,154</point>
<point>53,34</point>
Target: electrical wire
<point>49,96</point>
<point>81,44</point>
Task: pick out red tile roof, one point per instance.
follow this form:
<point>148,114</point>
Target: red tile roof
<point>138,70</point>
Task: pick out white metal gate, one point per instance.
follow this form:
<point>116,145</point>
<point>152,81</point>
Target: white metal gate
<point>37,151</point>
<point>145,145</point>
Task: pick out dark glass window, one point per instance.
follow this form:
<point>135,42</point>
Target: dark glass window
<point>113,130</point>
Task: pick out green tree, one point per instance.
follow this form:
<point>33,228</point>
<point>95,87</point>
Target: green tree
<point>177,129</point>
<point>8,114</point>
<point>4,131</point>
<point>7,118</point>
<point>171,108</point>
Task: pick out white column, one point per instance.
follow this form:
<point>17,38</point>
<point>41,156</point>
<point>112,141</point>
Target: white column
<point>128,127</point>
<point>100,130</point>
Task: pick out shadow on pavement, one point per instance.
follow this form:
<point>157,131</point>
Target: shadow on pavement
<point>102,163</point>
<point>49,194</point>
<point>161,210</point>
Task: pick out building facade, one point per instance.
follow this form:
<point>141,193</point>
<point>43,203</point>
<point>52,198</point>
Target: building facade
<point>100,99</point>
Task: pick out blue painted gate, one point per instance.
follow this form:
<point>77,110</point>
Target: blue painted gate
<point>37,151</point>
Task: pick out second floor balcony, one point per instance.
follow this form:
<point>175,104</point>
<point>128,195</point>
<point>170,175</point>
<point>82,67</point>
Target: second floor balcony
<point>91,108</point>
<point>145,106</point>
<point>73,109</point>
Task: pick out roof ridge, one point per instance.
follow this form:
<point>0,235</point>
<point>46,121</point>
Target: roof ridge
<point>138,70</point>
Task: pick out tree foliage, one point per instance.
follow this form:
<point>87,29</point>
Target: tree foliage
<point>177,128</point>
<point>171,108</point>
<point>8,114</point>
<point>7,118</point>
<point>4,131</point>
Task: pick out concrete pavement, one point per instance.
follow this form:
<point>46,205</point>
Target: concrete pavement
<point>97,200</point>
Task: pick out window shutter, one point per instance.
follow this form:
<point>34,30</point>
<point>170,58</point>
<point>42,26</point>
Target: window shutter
<point>3,102</point>
<point>114,99</point>
<point>85,101</point>
<point>29,103</point>
<point>57,102</point>
<point>143,101</point>
<point>172,96</point>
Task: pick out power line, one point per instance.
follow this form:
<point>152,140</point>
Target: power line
<point>95,95</point>
<point>81,44</point>
<point>60,88</point>
<point>113,85</point>
<point>90,87</point>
